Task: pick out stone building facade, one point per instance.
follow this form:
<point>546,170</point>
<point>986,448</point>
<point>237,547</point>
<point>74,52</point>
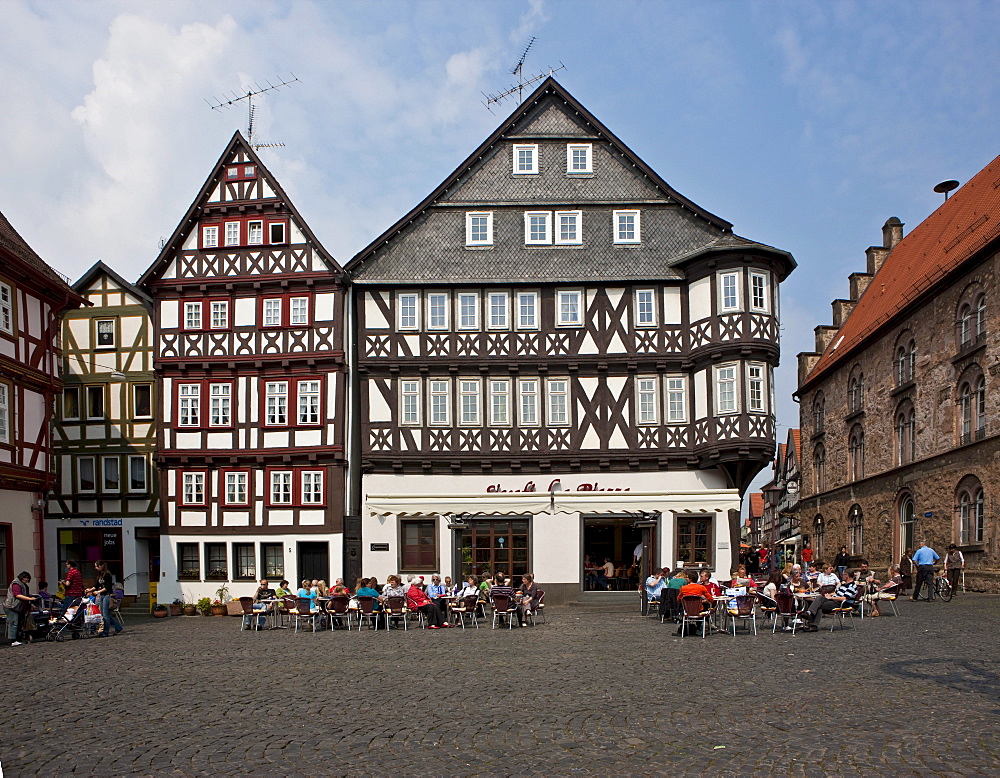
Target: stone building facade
<point>898,404</point>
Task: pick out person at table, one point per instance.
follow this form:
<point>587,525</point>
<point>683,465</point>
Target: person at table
<point>284,590</point>
<point>449,587</point>
<point>774,583</point>
<point>608,570</point>
<point>829,578</point>
<point>470,589</point>
<point>417,600</point>
<point>705,579</point>
<point>365,589</point>
<point>864,574</point>
<point>374,584</point>
<point>655,584</point>
<point>529,596</point>
<point>786,573</point>
<point>305,590</point>
<point>740,577</point>
<point>694,587</point>
<point>435,592</point>
<point>796,583</point>
<point>847,591</point>
<point>885,591</point>
<point>340,582</point>
<point>264,591</point>
<point>485,585</point>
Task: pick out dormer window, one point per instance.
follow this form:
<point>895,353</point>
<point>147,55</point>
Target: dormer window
<point>525,159</point>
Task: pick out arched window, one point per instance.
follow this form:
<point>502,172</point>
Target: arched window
<point>981,317</point>
<point>965,322</point>
<point>971,319</point>
<point>819,468</point>
<point>856,391</point>
<point>969,509</point>
<point>905,361</point>
<point>856,451</point>
<point>906,428</point>
<point>855,521</point>
<point>906,525</point>
<point>819,413</point>
<point>971,406</point>
<point>980,398</point>
<point>819,537</point>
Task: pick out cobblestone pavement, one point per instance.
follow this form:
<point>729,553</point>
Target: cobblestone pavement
<point>588,693</point>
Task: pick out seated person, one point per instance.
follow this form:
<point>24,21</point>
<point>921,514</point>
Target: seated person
<point>674,584</point>
<point>365,590</point>
<point>45,599</point>
<point>705,579</point>
<point>306,590</point>
<point>694,587</point>
<point>529,597</point>
<point>828,577</point>
<point>772,586</point>
<point>436,591</point>
<point>846,592</point>
<point>264,592</point>
<point>449,587</point>
<point>417,600</point>
<point>796,583</point>
<point>607,571</point>
<point>470,589</point>
<point>740,577</point>
<point>284,589</point>
<point>655,584</point>
<point>864,575</point>
<point>501,587</point>
<point>885,591</point>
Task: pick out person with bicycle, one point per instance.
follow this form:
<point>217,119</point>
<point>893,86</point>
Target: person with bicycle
<point>954,563</point>
<point>924,558</point>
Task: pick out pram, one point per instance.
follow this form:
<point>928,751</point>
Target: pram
<point>72,623</point>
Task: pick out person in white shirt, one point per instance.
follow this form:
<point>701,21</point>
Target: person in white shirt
<point>954,563</point>
<point>827,577</point>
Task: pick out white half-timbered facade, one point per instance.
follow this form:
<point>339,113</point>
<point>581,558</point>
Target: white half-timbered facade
<point>105,503</point>
<point>32,299</point>
<point>248,312</point>
<point>560,356</point>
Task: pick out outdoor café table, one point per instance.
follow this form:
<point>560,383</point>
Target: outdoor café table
<point>272,613</point>
<point>448,600</point>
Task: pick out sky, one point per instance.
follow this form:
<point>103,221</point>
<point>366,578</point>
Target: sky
<point>806,125</point>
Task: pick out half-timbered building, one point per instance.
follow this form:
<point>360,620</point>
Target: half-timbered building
<point>105,501</point>
<point>32,299</point>
<point>248,322</point>
<point>560,356</point>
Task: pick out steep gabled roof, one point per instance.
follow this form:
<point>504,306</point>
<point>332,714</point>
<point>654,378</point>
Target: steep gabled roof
<point>965,223</point>
<point>12,242</point>
<point>692,230</point>
<point>757,504</point>
<point>189,222</point>
<point>80,286</point>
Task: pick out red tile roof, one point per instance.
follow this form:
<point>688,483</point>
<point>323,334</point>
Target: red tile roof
<point>757,504</point>
<point>797,440</point>
<point>967,221</point>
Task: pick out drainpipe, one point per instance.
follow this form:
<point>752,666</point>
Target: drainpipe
<point>352,521</point>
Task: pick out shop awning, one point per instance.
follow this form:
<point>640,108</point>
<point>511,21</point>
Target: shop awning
<point>794,540</point>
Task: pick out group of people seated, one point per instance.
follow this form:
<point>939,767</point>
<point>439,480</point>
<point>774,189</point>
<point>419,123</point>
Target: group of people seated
<point>433,599</point>
<point>599,577</point>
<point>829,590</point>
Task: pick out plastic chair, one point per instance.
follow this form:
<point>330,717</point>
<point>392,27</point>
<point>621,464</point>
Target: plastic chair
<point>539,609</point>
<point>787,611</point>
<point>693,612</point>
<point>339,609</point>
<point>845,608</point>
<point>744,611</point>
<point>768,607</point>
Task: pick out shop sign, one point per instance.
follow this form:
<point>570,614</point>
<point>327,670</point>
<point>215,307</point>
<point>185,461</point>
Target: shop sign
<point>556,485</point>
<point>380,546</point>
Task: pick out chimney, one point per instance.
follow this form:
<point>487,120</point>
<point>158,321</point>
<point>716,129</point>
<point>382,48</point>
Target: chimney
<point>841,310</point>
<point>892,232</point>
<point>859,282</point>
<point>807,361</point>
<point>824,336</point>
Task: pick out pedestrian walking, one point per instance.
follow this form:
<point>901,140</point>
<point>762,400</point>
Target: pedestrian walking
<point>924,558</point>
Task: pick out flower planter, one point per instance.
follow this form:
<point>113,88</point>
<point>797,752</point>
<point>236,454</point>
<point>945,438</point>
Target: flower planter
<point>175,610</point>
<point>190,610</point>
<point>160,614</point>
<point>218,610</point>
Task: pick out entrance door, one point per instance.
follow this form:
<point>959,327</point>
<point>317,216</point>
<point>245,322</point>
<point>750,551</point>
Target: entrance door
<point>491,546</point>
<point>614,538</point>
<point>314,561</point>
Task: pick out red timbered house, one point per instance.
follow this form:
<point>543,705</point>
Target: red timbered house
<point>248,321</point>
<point>32,298</point>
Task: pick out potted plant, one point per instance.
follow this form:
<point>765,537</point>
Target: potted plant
<point>190,609</point>
<point>176,607</point>
<point>204,606</point>
<point>160,611</point>
<point>219,603</point>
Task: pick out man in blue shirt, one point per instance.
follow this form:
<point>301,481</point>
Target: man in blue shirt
<point>924,558</point>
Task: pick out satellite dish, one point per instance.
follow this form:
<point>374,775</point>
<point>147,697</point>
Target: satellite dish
<point>946,186</point>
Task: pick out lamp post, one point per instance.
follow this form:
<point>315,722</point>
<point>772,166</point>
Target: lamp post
<point>772,497</point>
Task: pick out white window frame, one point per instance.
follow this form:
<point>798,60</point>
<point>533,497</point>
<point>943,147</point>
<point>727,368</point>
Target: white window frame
<point>470,402</point>
<point>522,299</point>
<point>516,167</point>
<point>722,375</point>
<point>439,403</point>
<point>276,403</point>
<point>6,308</point>
<point>737,278</point>
<point>588,167</point>
<point>756,388</point>
<point>97,334</point>
<point>218,314</point>
<point>568,295</point>
<point>280,487</point>
<point>617,222</point>
<point>470,218</point>
<point>764,280</point>
<point>311,487</point>
<point>443,299</point>
<point>498,311</point>
<point>646,401</point>
<point>527,402</point>
<point>145,475</point>
<point>193,316</point>
<point>193,488</point>
<point>235,486</point>
<point>298,311</point>
<point>271,226</point>
<point>546,217</point>
<point>499,399</point>
<point>407,311</point>
<point>308,392</point>
<point>232,234</point>
<point>409,403</point>
<point>577,217</point>
<point>189,405</point>
<point>249,170</point>
<point>255,232</point>
<point>93,475</point>
<point>645,309</point>
<point>676,399</point>
<point>558,405</point>
<point>461,298</point>
<point>210,236</point>
<point>220,402</point>
<point>116,466</point>
<point>272,312</point>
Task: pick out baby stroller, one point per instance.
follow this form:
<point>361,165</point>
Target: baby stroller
<point>72,623</point>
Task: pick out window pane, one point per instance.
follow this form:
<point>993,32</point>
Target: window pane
<point>137,474</point>
<point>142,395</point>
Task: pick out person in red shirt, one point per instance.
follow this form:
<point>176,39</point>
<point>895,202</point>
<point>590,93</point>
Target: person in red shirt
<point>417,600</point>
<point>73,583</point>
<point>695,588</point>
<point>807,556</point>
<point>714,590</point>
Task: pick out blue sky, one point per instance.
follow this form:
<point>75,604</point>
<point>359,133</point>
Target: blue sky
<point>805,124</point>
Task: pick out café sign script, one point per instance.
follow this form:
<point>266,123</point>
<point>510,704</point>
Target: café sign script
<point>556,485</point>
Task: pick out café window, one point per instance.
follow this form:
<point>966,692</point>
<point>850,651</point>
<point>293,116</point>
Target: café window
<point>215,562</point>
<point>490,546</point>
<point>694,541</point>
<point>188,563</point>
<point>418,545</point>
<point>274,560</point>
<point>244,562</point>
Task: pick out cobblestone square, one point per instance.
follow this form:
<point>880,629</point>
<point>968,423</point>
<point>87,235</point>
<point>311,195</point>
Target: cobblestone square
<point>590,692</point>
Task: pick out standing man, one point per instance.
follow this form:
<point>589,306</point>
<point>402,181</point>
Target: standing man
<point>954,564</point>
<point>807,556</point>
<point>924,558</point>
<point>73,582</point>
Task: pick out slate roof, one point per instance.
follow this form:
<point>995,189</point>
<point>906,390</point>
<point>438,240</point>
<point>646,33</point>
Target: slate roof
<point>428,244</point>
<point>12,242</point>
<point>965,223</point>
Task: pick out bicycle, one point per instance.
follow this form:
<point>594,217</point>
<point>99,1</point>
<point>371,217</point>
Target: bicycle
<point>942,588</point>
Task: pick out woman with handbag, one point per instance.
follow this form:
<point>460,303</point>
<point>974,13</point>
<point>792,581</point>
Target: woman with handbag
<point>103,591</point>
<point>16,604</point>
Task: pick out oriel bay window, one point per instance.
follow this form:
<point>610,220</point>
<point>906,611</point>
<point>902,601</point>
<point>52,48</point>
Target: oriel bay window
<point>296,487</point>
<point>676,399</point>
<point>755,388</point>
<point>647,400</point>
<point>694,541</point>
<point>726,399</point>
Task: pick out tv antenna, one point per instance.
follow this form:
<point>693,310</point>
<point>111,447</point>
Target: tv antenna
<point>522,82</point>
<point>231,99</point>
